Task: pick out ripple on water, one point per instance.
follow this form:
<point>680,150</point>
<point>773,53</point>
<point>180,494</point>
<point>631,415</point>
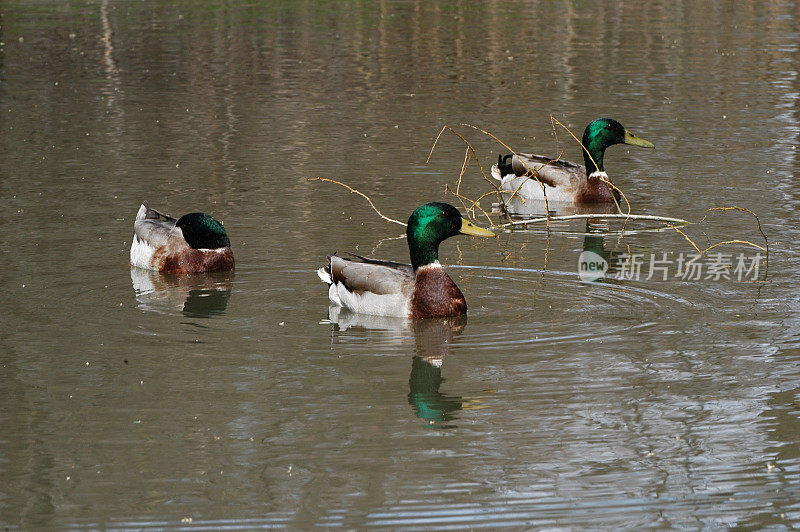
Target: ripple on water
<point>535,306</point>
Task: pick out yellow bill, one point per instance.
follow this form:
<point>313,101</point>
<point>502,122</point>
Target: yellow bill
<point>469,228</point>
<point>633,140</point>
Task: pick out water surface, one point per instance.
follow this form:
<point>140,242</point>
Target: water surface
<point>135,400</point>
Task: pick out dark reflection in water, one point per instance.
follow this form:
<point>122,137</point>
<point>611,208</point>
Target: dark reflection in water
<point>433,342</point>
<point>203,295</point>
<point>433,339</point>
<point>594,241</point>
<point>424,395</point>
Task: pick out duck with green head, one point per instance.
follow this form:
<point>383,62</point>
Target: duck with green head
<point>564,181</point>
<point>193,243</point>
<point>421,289</point>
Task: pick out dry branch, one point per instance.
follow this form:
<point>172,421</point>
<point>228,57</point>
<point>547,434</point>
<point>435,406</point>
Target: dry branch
<point>471,150</point>
<point>614,216</point>
<point>470,205</point>
<point>354,191</point>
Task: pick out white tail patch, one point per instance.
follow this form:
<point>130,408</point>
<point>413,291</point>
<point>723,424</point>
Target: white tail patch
<point>142,253</point>
<point>324,276</point>
<point>496,173</point>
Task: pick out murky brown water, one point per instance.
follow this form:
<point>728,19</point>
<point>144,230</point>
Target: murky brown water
<point>133,400</point>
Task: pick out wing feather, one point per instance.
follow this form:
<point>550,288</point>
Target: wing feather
<point>553,172</point>
<point>377,277</point>
<point>155,228</point>
<point>406,268</point>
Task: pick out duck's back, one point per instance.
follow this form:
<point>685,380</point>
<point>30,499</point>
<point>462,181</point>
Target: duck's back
<point>152,226</point>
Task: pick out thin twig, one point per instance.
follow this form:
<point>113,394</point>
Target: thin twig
<point>457,194</point>
<point>474,203</point>
<point>704,251</point>
<point>354,191</point>
<point>444,127</point>
<point>743,209</point>
<point>764,248</point>
<point>687,239</point>
<point>382,240</point>
<point>533,174</point>
<point>474,154</point>
<point>760,230</point>
<point>664,219</point>
<point>746,242</point>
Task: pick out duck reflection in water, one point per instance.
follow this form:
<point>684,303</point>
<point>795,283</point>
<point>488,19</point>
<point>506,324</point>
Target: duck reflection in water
<point>201,295</point>
<point>432,342</point>
<point>594,242</point>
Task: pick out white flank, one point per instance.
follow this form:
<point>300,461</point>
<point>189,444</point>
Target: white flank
<point>141,253</point>
<point>366,302</point>
<point>369,303</point>
<point>532,189</point>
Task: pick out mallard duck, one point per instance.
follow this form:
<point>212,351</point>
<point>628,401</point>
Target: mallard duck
<point>421,289</point>
<point>565,181</point>
<point>193,243</point>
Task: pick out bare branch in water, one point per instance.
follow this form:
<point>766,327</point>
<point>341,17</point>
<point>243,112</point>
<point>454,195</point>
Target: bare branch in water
<point>743,209</point>
<point>469,205</point>
<point>764,248</point>
<point>354,191</point>
<point>614,216</point>
<point>760,230</point>
<point>474,154</point>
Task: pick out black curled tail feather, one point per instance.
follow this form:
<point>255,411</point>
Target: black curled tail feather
<point>504,164</point>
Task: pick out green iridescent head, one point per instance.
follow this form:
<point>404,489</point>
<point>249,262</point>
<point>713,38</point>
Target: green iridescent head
<point>602,133</point>
<point>201,231</point>
<point>432,223</point>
